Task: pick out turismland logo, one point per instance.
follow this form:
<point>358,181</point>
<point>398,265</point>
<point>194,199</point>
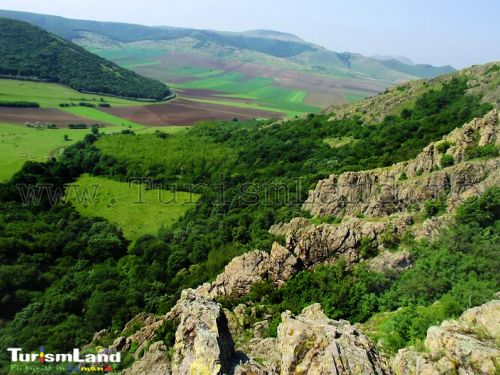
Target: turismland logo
<point>75,361</point>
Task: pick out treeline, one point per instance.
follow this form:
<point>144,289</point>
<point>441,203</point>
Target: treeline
<point>29,51</point>
<point>21,104</point>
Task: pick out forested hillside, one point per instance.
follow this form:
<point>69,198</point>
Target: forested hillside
<point>60,289</point>
<point>31,52</point>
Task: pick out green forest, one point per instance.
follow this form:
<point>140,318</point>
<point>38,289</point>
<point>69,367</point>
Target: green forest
<point>64,276</point>
<point>30,52</point>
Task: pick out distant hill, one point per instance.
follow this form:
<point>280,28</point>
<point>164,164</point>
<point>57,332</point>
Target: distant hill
<point>225,45</point>
<point>29,51</point>
<point>264,69</point>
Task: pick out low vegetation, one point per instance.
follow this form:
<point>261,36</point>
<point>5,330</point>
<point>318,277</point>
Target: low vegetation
<point>132,207</point>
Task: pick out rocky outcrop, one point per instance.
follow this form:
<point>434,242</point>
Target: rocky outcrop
<point>313,344</point>
<point>382,192</point>
<point>390,261</point>
<point>468,345</point>
<point>307,245</point>
<point>154,362</point>
<point>203,343</point>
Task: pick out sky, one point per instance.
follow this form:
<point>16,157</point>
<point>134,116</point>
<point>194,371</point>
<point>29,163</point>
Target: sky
<point>439,32</point>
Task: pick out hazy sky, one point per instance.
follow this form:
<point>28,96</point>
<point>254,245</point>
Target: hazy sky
<point>456,32</point>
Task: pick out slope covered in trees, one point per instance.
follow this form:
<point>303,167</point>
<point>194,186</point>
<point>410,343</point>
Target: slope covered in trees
<point>84,279</point>
<point>31,52</point>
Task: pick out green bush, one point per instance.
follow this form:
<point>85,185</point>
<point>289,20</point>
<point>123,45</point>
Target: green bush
<point>447,161</point>
<point>485,151</point>
<point>442,147</point>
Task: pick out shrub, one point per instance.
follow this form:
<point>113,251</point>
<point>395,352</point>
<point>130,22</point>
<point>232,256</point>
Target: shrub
<point>485,151</point>
<point>443,146</point>
<point>434,207</point>
<point>447,161</point>
<point>166,333</point>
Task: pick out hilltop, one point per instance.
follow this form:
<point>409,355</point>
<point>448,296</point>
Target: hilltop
<point>27,51</point>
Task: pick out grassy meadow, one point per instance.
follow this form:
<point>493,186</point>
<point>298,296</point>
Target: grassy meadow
<point>133,208</point>
<point>50,95</point>
<point>19,144</point>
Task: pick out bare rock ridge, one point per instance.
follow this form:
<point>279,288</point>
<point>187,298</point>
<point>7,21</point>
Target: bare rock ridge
<point>311,343</point>
<point>385,191</point>
<point>373,206</point>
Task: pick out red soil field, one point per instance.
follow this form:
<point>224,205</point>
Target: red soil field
<point>185,112</point>
<point>42,115</point>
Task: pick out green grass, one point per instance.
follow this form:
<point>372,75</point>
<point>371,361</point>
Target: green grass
<point>102,117</point>
<point>50,95</point>
<point>19,144</point>
<point>336,142</point>
<point>134,209</point>
<point>262,93</point>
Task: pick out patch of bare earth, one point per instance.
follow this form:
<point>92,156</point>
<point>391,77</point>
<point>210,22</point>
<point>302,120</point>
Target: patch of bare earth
<point>186,112</point>
<point>41,115</point>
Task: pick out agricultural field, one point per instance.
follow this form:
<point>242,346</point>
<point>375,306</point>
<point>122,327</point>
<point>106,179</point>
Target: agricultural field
<point>50,95</point>
<point>19,144</point>
<point>132,207</point>
<point>243,91</point>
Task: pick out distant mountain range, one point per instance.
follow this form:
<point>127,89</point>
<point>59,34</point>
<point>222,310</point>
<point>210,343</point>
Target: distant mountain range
<point>276,44</point>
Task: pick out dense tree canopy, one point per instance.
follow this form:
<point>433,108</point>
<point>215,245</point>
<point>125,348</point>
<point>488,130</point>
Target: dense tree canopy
<point>29,51</point>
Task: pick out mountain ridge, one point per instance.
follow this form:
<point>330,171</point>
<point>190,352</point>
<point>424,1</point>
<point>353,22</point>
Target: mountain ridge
<point>270,42</point>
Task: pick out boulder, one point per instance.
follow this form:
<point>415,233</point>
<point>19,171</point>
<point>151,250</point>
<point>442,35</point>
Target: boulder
<point>203,343</point>
<point>314,344</point>
<point>464,346</point>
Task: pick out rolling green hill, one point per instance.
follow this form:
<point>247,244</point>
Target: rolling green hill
<point>31,52</point>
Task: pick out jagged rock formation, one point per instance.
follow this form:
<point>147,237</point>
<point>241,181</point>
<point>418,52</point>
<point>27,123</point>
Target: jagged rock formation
<point>313,344</point>
<point>385,191</point>
<point>385,261</point>
<point>468,345</point>
<point>383,197</point>
<point>203,344</point>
